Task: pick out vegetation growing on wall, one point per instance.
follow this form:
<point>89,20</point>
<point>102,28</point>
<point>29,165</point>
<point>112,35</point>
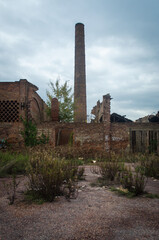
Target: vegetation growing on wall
<point>30,134</point>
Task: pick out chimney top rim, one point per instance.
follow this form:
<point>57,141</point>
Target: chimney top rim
<point>79,23</point>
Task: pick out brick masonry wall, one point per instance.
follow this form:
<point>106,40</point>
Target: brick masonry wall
<point>89,135</point>
<point>9,91</point>
<point>19,99</point>
<point>84,134</point>
<point>12,133</point>
<point>121,138</point>
<point>30,103</point>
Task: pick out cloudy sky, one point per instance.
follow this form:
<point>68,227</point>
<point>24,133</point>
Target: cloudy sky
<point>122,48</point>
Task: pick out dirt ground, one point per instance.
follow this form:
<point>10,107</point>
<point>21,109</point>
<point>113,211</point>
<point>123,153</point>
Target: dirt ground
<point>97,213</point>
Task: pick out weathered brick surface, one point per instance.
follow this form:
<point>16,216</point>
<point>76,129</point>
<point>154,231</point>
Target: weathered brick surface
<point>121,136</point>
<point>54,109</point>
<point>120,139</point>
<point>90,135</point>
<point>95,136</point>
<point>30,103</point>
<point>106,121</point>
<point>86,135</point>
<point>12,133</point>
<point>102,110</point>
<point>80,112</point>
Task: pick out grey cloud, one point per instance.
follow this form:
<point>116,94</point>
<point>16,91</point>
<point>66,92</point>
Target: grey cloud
<point>122,48</point>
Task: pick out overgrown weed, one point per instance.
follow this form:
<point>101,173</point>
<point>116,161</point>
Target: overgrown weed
<point>47,174</point>
<point>130,171</point>
<point>12,163</point>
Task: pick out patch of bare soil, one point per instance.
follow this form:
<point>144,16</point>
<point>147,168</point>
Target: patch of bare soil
<point>97,213</point>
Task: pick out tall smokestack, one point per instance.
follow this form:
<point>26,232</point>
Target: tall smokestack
<point>80,112</point>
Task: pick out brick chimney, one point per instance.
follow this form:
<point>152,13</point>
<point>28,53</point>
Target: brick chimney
<point>80,112</point>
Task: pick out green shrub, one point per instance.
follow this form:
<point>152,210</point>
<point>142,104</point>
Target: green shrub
<point>78,152</point>
<point>150,162</point>
<point>151,165</point>
<point>122,192</point>
<point>80,173</point>
<point>109,169</point>
<point>151,195</point>
<point>30,133</point>
<point>12,163</point>
<point>42,139</point>
<point>47,174</point>
<point>134,181</point>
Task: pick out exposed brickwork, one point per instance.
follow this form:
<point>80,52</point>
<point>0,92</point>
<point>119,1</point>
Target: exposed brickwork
<point>80,112</point>
<point>86,135</point>
<point>89,135</point>
<point>19,99</point>
<point>102,110</point>
<point>122,135</point>
<point>55,109</point>
<point>12,133</point>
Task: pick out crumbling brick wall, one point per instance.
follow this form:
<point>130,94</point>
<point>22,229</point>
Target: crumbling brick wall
<point>86,135</point>
<point>88,138</point>
<point>90,135</point>
<point>135,137</point>
<point>19,99</point>
<point>120,139</point>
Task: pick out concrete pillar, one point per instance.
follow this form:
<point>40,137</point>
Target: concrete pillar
<point>80,112</point>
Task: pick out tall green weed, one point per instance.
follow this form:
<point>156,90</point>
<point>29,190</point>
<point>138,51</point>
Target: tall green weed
<point>135,181</point>
<point>47,174</point>
<point>151,165</point>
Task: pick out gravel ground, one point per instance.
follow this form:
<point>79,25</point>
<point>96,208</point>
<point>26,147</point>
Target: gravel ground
<point>97,214</point>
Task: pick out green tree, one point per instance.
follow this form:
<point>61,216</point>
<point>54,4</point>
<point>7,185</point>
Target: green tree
<point>65,98</point>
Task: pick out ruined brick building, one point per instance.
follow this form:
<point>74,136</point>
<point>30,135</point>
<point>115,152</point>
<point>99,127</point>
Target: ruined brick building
<point>109,132</point>
<point>19,99</point>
